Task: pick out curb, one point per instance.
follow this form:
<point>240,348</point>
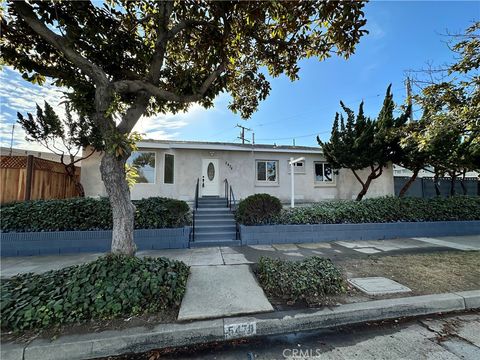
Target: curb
<point>110,343</point>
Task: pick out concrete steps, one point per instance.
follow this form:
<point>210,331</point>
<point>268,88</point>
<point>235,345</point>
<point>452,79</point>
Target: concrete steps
<point>214,223</point>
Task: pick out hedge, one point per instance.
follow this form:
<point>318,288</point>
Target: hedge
<point>258,209</point>
<point>112,286</point>
<point>312,279</point>
<point>382,210</point>
<point>90,214</point>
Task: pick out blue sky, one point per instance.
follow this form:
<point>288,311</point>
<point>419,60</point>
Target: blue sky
<point>403,35</point>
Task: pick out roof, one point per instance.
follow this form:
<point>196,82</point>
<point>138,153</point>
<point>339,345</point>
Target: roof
<point>226,146</point>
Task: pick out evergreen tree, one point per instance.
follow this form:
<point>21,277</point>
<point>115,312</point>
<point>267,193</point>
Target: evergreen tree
<point>364,143</point>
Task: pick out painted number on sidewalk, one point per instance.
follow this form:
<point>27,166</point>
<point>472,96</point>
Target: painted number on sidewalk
<point>234,331</point>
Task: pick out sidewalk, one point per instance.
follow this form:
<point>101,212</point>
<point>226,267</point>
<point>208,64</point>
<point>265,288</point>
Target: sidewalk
<point>210,256</point>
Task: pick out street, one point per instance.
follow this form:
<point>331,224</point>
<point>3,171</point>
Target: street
<point>440,337</point>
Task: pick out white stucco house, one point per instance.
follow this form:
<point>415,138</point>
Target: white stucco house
<point>171,168</point>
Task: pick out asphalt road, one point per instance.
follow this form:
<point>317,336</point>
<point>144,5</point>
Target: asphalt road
<point>441,337</point>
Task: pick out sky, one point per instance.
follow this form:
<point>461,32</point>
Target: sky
<point>403,35</point>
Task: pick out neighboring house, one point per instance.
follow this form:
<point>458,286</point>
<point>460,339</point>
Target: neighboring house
<point>171,169</point>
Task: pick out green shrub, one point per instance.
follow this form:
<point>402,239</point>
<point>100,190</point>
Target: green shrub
<point>312,279</point>
<point>381,210</point>
<point>90,214</point>
<point>112,286</point>
<point>258,209</point>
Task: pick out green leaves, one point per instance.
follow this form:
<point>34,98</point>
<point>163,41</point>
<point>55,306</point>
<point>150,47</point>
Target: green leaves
<point>381,210</point>
<point>106,288</point>
<point>258,209</point>
<point>312,279</point>
<point>90,214</point>
<point>122,39</point>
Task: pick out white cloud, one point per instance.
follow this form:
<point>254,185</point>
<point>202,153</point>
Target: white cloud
<point>18,95</point>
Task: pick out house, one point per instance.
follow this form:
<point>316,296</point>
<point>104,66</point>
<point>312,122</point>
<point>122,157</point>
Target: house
<point>171,168</point>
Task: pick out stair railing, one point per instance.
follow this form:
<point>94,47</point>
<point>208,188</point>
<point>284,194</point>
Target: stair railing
<point>225,182</point>
<point>232,204</point>
<point>195,207</point>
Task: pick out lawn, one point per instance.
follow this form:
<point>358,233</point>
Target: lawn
<point>423,273</point>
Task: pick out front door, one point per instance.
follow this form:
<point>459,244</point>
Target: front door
<point>209,183</point>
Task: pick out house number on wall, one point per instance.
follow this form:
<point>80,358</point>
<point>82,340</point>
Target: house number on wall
<point>211,171</point>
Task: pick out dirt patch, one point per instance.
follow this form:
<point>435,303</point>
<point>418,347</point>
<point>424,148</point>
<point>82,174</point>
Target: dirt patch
<point>148,321</point>
<point>423,273</point>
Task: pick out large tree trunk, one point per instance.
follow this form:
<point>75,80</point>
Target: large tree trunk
<point>409,183</point>
<point>123,211</point>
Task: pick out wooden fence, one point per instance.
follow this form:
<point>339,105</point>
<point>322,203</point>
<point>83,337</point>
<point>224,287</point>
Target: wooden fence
<point>31,178</point>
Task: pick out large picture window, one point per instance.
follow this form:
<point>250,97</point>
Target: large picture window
<point>267,171</point>
<point>323,172</point>
<point>144,162</point>
<point>169,169</point>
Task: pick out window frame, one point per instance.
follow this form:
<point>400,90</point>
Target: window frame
<point>165,168</point>
<point>266,182</point>
<point>154,169</point>
<point>323,182</point>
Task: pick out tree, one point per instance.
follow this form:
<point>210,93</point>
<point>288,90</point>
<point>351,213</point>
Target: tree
<point>65,137</point>
<point>126,59</point>
<point>412,154</point>
<point>450,97</point>
<point>364,143</point>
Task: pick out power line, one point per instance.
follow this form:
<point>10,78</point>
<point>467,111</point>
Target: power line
<point>296,137</point>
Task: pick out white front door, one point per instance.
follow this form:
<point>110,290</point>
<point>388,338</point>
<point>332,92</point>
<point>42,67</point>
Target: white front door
<point>210,183</point>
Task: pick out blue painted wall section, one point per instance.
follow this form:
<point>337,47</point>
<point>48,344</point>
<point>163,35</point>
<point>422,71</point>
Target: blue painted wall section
<point>277,234</point>
<point>68,242</point>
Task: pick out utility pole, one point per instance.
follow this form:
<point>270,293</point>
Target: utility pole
<point>409,97</point>
<point>11,140</point>
<point>253,138</point>
<point>242,133</point>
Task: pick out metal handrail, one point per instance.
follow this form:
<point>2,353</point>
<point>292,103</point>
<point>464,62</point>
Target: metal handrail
<point>195,207</point>
<point>196,193</point>
<point>226,191</point>
<point>233,203</point>
<point>232,199</point>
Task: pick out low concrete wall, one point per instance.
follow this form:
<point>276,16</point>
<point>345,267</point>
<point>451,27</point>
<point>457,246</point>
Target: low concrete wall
<point>65,242</point>
<point>274,234</point>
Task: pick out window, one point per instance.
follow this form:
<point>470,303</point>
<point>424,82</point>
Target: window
<point>267,171</point>
<point>144,163</point>
<point>298,167</point>
<point>168,169</point>
<point>323,172</point>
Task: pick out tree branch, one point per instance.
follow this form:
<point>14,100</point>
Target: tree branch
<point>59,42</point>
<point>358,177</point>
<point>131,86</point>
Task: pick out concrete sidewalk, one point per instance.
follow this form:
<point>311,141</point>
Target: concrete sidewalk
<point>219,291</point>
<point>213,256</point>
